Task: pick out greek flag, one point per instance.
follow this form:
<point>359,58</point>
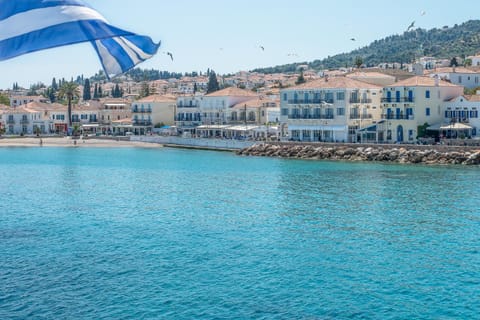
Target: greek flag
<point>32,25</point>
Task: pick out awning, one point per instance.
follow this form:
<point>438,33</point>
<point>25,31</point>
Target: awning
<point>318,127</point>
<point>446,126</point>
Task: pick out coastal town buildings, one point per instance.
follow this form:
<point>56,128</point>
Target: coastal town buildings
<point>329,109</point>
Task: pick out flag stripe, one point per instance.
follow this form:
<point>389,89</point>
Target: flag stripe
<point>56,36</point>
<point>13,7</point>
<point>32,25</point>
<point>38,19</point>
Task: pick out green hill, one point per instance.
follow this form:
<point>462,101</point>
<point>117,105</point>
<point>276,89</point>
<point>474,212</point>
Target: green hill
<point>446,43</point>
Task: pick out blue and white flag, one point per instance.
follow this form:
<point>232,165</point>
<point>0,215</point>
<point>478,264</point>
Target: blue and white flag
<point>32,25</point>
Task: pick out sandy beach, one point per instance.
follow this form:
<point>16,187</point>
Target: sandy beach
<point>69,142</point>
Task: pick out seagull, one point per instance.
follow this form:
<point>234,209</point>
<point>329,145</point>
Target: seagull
<point>261,47</point>
<point>170,54</point>
<point>422,13</point>
<point>411,26</point>
<point>353,39</point>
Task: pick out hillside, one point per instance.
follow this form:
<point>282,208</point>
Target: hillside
<point>459,40</point>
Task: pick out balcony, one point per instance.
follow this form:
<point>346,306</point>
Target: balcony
<point>308,117</point>
<point>142,122</point>
<point>10,121</point>
<point>399,100</point>
<point>310,101</point>
<point>398,117</point>
<point>364,101</point>
<point>355,116</point>
<point>140,110</point>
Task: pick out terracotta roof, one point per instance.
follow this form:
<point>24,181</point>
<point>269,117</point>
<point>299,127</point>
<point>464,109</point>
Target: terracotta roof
<point>472,98</point>
<point>232,91</point>
<point>450,70</point>
<point>335,83</point>
<point>156,98</point>
<point>256,103</point>
<point>419,81</point>
<point>369,75</point>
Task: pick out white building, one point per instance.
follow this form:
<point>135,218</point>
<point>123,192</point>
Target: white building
<point>329,109</point>
<point>465,77</point>
<point>461,117</point>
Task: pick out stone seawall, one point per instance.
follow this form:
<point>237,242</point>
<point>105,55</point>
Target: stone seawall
<point>382,153</point>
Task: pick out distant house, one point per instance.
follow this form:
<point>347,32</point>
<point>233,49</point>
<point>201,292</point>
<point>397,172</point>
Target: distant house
<point>16,101</point>
<point>468,78</point>
<point>463,110</point>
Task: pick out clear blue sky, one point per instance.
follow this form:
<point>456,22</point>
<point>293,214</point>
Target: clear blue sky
<point>226,35</point>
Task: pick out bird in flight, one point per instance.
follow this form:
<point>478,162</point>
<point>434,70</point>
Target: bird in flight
<point>261,47</point>
<point>170,54</point>
<point>422,13</point>
<point>352,39</point>
<point>411,26</point>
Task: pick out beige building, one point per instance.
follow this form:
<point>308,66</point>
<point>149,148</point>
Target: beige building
<point>413,102</point>
<point>151,111</point>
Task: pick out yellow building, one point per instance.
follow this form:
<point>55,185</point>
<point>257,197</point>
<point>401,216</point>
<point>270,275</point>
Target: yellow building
<point>414,102</point>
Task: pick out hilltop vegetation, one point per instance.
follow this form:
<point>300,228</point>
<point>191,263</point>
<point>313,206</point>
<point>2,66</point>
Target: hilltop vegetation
<point>445,43</point>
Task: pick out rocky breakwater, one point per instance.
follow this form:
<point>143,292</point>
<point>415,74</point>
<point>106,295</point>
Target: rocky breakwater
<point>430,155</point>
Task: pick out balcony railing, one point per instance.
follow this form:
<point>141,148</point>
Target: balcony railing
<point>10,121</point>
<point>310,101</point>
<point>398,117</point>
<point>398,100</point>
<point>361,116</point>
<point>140,110</point>
<point>307,117</point>
<point>142,122</point>
<point>353,100</point>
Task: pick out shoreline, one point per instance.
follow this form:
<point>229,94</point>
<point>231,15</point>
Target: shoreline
<point>402,154</point>
<point>68,142</point>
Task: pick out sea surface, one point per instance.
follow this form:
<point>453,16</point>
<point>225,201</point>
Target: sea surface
<point>182,234</point>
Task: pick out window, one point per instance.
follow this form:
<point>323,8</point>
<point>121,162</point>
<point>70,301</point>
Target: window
<point>427,94</point>
<point>459,79</point>
<point>284,97</point>
<point>340,111</point>
<point>427,112</point>
<point>410,135</point>
<point>340,96</point>
<point>284,112</point>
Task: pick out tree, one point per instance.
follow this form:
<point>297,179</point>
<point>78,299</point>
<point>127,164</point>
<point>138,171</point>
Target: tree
<point>4,99</point>
<point>195,88</point>
<point>301,78</point>
<point>358,62</point>
<point>54,85</point>
<point>100,91</point>
<point>212,85</point>
<point>453,62</point>
<point>69,90</point>
<point>116,93</point>
<point>145,90</point>
<point>95,91</point>
<point>86,91</point>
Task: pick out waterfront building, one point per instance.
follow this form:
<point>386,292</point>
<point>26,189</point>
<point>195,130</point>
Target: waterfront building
<point>188,114</point>
<point>111,110</point>
<point>411,103</point>
<point>329,109</point>
<point>154,110</point>
<point>461,117</point>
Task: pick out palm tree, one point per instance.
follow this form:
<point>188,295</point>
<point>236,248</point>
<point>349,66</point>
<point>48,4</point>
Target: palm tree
<point>69,90</point>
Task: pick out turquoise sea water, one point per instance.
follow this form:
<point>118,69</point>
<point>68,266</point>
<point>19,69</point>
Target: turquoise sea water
<point>179,234</point>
